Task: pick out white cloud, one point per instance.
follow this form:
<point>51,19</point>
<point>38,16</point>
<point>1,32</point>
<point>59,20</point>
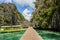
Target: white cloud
<point>26,2</point>
<point>26,14</point>
<point>30,3</point>
<point>8,1</point>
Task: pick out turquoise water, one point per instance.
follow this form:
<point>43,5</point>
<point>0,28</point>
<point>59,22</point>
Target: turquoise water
<point>46,35</point>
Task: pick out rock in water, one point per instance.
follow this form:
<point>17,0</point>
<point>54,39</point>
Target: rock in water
<point>31,34</point>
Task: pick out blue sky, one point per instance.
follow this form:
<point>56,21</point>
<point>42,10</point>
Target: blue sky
<point>26,7</point>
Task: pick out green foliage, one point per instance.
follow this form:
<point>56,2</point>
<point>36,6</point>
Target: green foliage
<point>44,24</point>
<point>9,15</point>
<point>45,10</point>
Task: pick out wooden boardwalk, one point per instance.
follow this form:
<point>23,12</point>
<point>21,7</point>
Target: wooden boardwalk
<point>31,34</point>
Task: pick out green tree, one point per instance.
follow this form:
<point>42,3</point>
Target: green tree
<point>47,13</point>
<point>9,15</point>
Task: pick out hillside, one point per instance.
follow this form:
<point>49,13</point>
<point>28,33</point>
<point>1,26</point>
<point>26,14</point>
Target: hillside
<point>47,14</point>
<point>9,15</point>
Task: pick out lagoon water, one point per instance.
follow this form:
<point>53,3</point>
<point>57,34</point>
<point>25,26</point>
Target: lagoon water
<point>46,35</point>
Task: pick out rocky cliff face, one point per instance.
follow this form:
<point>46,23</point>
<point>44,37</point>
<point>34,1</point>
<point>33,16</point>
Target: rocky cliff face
<point>47,14</point>
<point>9,15</point>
